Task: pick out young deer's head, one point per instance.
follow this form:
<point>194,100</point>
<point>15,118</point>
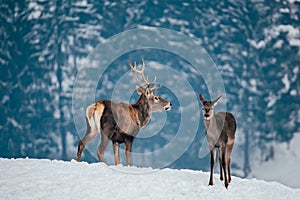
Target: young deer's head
<point>208,107</point>
<point>146,89</point>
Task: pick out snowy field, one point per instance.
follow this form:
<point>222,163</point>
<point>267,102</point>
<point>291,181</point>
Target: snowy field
<point>47,179</point>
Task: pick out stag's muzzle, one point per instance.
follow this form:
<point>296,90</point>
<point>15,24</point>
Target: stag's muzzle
<point>168,106</point>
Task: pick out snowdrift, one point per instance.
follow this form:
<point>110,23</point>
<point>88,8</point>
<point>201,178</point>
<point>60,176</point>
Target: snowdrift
<point>51,179</point>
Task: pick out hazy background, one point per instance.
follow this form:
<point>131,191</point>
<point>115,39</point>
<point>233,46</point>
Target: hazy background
<point>255,44</point>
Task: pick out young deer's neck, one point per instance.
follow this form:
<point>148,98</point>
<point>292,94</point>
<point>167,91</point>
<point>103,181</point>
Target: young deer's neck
<point>143,110</point>
<point>211,124</point>
<point>212,131</point>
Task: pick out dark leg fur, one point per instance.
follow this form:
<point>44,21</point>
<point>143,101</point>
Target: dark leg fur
<point>220,163</point>
<point>229,150</point>
<point>79,151</point>
<point>224,166</point>
<point>229,175</point>
<point>212,164</point>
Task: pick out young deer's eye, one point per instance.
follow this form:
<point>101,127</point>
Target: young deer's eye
<point>207,109</point>
<point>156,98</point>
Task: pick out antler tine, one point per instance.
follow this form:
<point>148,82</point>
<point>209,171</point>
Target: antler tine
<point>153,82</point>
<point>156,88</point>
<point>146,79</point>
<point>134,70</point>
<point>142,72</point>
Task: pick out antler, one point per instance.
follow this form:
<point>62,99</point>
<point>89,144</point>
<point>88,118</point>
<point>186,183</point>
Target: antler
<point>155,88</point>
<point>141,72</point>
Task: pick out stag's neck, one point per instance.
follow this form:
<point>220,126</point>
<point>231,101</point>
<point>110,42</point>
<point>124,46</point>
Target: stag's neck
<point>143,110</point>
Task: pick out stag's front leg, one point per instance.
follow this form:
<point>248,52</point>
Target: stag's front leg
<point>128,149</point>
<point>212,164</point>
<point>116,146</point>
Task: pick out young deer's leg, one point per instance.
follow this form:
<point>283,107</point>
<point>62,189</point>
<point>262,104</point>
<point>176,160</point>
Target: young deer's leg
<point>220,163</point>
<point>128,149</point>
<point>228,154</point>
<point>212,164</point>
<point>103,145</point>
<point>89,136</point>
<point>116,146</point>
<point>223,158</point>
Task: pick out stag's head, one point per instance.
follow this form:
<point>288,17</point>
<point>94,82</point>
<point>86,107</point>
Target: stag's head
<point>208,107</point>
<point>147,89</point>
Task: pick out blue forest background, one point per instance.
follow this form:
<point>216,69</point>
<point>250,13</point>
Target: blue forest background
<point>255,45</point>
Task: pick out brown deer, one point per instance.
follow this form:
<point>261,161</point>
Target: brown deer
<point>121,122</point>
<point>220,132</point>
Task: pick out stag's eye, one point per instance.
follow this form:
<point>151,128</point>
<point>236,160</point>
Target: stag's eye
<point>156,98</point>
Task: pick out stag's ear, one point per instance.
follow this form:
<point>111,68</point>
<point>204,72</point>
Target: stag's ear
<point>202,98</point>
<point>217,100</point>
<point>139,90</point>
<point>148,92</point>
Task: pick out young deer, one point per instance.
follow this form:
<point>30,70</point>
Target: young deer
<point>220,132</point>
<point>121,122</point>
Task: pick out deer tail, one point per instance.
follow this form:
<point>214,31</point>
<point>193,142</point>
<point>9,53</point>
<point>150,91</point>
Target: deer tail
<point>93,114</point>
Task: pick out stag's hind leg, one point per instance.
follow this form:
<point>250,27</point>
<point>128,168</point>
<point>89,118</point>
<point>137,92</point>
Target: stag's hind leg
<point>89,136</point>
<point>79,150</point>
<point>103,145</point>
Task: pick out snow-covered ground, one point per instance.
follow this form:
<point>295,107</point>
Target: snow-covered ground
<point>47,179</point>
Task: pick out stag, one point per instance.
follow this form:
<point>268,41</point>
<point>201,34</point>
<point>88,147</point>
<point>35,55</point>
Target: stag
<point>220,132</point>
<point>121,122</point>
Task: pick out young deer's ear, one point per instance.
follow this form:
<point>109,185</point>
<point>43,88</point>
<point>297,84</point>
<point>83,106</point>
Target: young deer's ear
<point>202,98</point>
<point>139,90</point>
<point>215,102</point>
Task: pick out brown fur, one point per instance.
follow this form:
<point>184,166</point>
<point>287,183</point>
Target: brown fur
<point>220,133</point>
<point>119,122</point>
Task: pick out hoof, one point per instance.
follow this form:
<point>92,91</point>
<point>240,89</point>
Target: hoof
<point>226,185</point>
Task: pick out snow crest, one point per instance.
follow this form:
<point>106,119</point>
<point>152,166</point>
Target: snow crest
<point>52,179</point>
